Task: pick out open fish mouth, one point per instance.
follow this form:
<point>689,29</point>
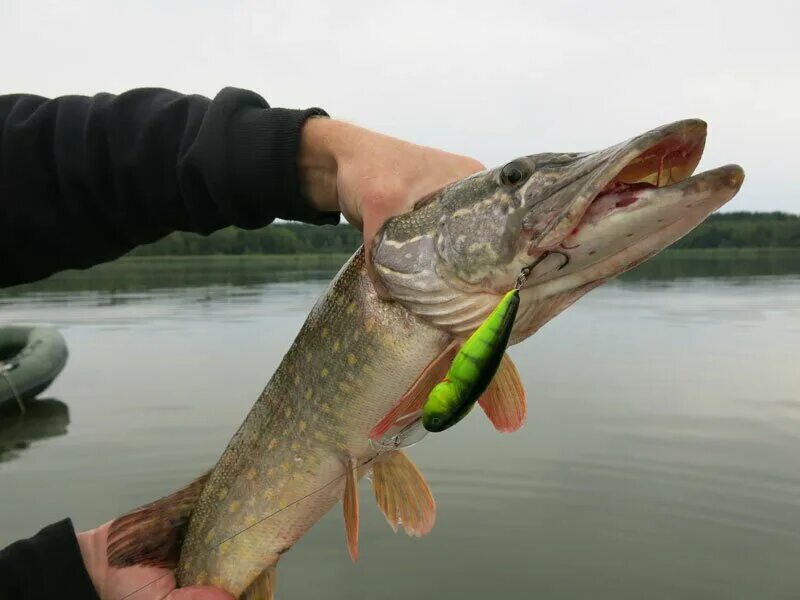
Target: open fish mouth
<point>568,221</point>
<point>641,197</point>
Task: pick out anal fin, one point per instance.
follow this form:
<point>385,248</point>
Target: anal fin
<point>504,399</point>
<point>350,508</point>
<point>152,535</point>
<point>263,586</point>
<point>403,494</point>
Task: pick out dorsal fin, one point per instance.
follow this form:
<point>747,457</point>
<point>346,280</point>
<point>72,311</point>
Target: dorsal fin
<point>153,534</point>
<point>402,494</point>
<point>504,399</point>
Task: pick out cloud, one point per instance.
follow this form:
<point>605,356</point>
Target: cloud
<point>494,80</point>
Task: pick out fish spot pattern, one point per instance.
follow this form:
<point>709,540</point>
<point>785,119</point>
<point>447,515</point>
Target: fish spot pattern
<point>306,415</point>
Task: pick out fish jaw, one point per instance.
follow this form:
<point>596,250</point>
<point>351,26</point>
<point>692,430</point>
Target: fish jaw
<point>621,229</point>
<point>657,158</point>
<point>573,220</point>
<point>617,233</point>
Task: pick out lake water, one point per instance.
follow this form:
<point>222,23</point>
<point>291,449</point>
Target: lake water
<point>661,458</point>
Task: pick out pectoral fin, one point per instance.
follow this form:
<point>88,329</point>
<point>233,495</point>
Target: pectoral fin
<point>504,399</point>
<point>414,399</point>
<point>350,508</point>
<point>402,494</point>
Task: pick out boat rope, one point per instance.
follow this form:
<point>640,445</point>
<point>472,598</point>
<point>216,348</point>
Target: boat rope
<point>4,372</point>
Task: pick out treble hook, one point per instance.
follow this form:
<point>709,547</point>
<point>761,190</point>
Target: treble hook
<point>566,258</point>
<point>525,272</point>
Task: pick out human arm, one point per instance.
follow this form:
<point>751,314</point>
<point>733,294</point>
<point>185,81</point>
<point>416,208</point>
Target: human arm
<point>86,179</point>
<point>369,176</point>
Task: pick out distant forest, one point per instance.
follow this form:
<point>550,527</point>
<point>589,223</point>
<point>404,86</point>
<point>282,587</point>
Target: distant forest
<point>725,230</point>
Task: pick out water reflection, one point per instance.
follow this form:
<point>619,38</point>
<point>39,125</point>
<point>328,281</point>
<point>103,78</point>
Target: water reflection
<point>43,418</point>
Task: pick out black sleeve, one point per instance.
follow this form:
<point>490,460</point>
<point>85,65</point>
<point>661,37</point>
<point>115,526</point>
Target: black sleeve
<point>86,179</point>
<point>47,566</point>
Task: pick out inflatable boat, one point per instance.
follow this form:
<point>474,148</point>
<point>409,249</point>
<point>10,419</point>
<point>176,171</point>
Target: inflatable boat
<point>30,359</point>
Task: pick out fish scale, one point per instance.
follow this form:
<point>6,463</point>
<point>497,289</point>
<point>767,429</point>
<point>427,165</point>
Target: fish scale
<point>339,378</point>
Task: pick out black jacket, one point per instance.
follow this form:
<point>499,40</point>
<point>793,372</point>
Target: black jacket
<point>47,566</point>
<point>84,180</point>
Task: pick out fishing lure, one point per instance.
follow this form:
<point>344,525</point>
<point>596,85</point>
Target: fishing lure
<point>473,367</point>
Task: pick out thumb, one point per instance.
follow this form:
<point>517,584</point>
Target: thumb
<point>199,592</point>
<point>374,219</point>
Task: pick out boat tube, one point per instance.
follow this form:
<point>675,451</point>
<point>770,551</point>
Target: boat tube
<point>30,359</point>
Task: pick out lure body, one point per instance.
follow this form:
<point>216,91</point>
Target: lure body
<point>472,369</point>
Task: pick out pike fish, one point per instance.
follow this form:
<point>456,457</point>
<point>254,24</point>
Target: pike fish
<point>372,348</point>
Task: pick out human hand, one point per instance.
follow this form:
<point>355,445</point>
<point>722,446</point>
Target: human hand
<point>368,176</point>
<point>134,583</point>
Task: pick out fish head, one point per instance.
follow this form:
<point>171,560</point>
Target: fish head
<point>568,221</point>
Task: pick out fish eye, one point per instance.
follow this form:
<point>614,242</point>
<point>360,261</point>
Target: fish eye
<point>513,173</point>
<point>436,420</point>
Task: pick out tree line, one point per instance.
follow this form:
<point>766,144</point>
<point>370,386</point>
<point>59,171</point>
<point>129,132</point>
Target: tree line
<point>283,238</point>
<point>745,230</point>
<point>723,230</point>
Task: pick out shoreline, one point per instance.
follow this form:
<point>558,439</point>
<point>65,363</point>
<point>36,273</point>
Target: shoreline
<point>726,251</point>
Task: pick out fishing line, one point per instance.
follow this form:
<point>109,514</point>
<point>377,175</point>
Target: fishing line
<point>147,584</point>
<point>270,515</point>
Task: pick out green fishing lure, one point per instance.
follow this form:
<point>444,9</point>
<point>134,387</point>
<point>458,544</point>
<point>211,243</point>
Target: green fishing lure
<point>472,369</point>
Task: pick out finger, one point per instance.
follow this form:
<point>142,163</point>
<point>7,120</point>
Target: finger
<point>378,210</point>
<point>371,228</point>
<point>199,592</point>
<point>369,234</point>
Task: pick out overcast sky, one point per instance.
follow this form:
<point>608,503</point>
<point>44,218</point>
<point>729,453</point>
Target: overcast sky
<point>491,79</point>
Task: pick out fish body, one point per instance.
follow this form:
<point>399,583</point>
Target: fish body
<point>338,379</point>
<point>370,351</point>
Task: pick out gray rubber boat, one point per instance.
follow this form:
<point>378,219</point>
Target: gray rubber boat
<point>30,359</point>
